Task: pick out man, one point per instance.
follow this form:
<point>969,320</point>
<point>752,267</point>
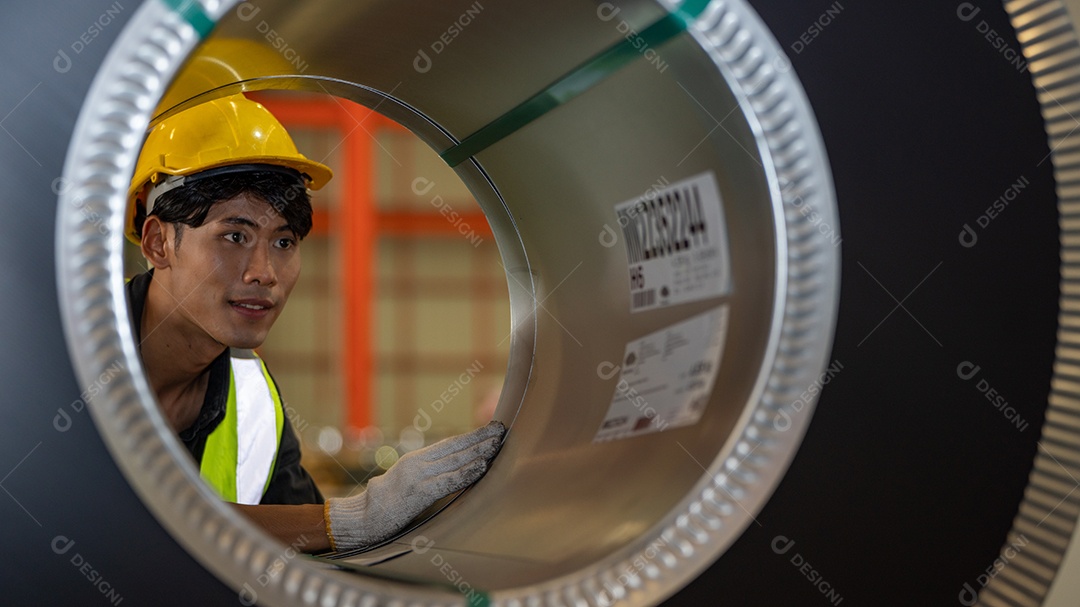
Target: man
<point>218,206</point>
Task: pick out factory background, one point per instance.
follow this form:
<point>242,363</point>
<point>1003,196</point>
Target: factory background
<point>404,340</point>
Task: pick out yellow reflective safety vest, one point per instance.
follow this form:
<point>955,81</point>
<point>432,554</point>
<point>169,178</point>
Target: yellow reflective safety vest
<point>240,453</point>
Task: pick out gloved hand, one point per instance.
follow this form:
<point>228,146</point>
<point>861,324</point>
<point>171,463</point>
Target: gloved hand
<point>415,482</point>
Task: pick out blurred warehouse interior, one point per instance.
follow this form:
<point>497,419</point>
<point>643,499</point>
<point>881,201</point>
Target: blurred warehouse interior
<point>397,333</point>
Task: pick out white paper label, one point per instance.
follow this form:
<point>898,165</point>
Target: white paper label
<point>666,377</point>
<point>676,244</point>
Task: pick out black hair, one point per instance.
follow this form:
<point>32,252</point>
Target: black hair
<point>285,191</point>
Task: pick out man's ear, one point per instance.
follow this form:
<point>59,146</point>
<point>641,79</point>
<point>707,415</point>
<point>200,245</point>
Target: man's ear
<point>154,244</point>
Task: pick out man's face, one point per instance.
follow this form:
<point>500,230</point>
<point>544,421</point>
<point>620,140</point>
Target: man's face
<point>233,274</point>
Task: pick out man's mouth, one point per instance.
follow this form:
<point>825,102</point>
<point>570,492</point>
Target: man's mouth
<point>252,307</point>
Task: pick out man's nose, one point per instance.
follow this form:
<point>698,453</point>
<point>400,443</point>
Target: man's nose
<point>260,267</point>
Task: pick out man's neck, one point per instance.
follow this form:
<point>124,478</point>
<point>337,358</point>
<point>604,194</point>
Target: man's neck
<point>177,355</point>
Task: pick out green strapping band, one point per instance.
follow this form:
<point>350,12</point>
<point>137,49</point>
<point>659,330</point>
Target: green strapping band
<point>193,13</point>
<point>576,82</point>
<point>477,599</point>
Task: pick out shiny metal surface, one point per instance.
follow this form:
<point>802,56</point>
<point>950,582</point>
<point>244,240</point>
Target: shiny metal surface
<point>675,498</point>
<point>908,476</point>
<point>1065,587</point>
<point>478,74</point>
<point>1047,34</point>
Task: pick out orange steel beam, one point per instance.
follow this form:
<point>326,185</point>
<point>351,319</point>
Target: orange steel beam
<point>358,267</point>
<point>323,111</point>
<point>308,113</point>
<point>356,222</point>
<point>321,222</point>
<point>359,223</point>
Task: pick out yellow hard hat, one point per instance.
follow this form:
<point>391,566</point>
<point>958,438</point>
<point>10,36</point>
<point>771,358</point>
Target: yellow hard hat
<point>224,132</point>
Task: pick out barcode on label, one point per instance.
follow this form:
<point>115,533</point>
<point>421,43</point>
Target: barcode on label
<point>676,243</point>
<point>670,222</point>
<point>642,299</point>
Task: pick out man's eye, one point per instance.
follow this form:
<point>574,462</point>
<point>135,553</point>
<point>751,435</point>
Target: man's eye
<point>235,237</point>
<point>286,243</point>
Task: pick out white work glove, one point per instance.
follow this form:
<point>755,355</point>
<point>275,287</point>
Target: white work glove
<point>410,486</point>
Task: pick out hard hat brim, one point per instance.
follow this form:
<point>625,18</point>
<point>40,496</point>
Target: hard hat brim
<point>314,174</point>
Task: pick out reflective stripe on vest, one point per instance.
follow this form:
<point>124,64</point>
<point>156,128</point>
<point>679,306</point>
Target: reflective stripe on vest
<point>240,453</point>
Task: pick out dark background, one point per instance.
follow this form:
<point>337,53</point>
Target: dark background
<point>908,479</point>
